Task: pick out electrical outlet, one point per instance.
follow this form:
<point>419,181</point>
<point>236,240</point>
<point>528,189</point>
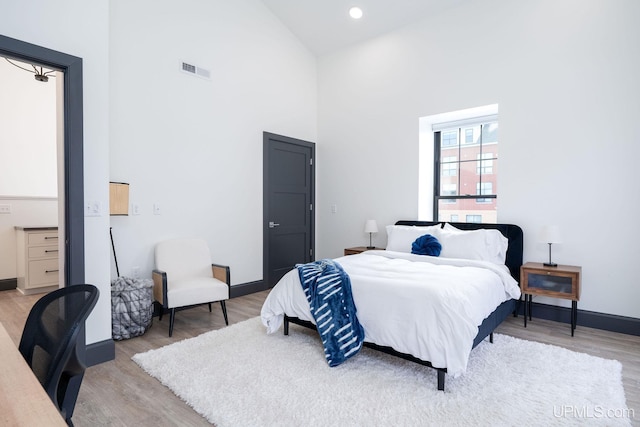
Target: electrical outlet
<point>135,209</point>
<point>93,208</point>
<point>5,209</point>
<point>135,272</point>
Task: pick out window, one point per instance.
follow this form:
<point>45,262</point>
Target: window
<point>449,166</point>
<point>449,190</point>
<point>474,218</point>
<point>466,172</point>
<point>449,139</point>
<point>468,136</point>
<point>484,188</point>
<point>485,164</point>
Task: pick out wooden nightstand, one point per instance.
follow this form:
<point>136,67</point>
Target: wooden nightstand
<point>562,281</point>
<point>359,249</point>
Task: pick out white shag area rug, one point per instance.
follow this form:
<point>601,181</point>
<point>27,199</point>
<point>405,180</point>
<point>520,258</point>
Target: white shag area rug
<point>240,376</point>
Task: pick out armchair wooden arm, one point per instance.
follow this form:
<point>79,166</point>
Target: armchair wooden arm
<point>159,286</point>
<point>222,273</point>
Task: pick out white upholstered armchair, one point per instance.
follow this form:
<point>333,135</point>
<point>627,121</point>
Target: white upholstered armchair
<point>184,277</point>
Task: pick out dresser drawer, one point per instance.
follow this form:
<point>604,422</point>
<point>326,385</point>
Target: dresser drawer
<point>43,238</point>
<point>43,252</point>
<point>43,272</point>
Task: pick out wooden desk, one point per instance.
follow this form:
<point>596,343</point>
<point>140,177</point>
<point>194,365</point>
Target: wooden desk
<point>23,401</point>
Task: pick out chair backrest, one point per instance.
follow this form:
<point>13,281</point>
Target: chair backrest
<point>49,339</point>
<point>183,258</point>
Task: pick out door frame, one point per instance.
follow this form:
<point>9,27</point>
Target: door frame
<point>267,136</point>
<point>71,66</point>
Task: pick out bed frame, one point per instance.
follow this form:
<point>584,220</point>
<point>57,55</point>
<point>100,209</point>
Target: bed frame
<point>513,261</point>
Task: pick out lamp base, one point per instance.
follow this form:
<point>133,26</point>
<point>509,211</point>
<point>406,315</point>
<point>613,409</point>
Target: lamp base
<point>550,264</point>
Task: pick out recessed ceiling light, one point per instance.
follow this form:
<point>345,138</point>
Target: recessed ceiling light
<point>355,12</point>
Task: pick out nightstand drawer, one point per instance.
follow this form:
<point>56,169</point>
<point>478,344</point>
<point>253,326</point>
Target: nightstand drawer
<point>43,252</point>
<point>556,282</point>
<point>43,272</point>
<point>550,283</point>
<point>44,238</point>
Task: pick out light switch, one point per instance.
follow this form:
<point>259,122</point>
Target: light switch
<point>156,209</point>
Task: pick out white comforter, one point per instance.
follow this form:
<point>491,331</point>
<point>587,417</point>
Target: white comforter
<point>424,306</point>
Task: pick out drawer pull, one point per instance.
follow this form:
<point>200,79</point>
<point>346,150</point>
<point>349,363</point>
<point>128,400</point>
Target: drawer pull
<point>50,250</point>
<point>51,271</point>
<point>50,237</point>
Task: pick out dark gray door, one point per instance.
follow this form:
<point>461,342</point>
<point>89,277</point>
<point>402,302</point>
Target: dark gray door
<point>288,215</point>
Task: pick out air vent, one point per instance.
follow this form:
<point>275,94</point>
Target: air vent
<point>188,68</point>
<point>194,70</point>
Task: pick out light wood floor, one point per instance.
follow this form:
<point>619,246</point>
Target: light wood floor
<point>119,393</point>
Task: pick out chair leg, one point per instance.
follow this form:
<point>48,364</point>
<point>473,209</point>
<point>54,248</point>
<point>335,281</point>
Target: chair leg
<point>209,307</point>
<point>224,312</point>
<point>172,317</point>
<point>160,311</point>
<point>70,396</point>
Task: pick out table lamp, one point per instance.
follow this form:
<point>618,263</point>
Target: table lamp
<point>371,226</point>
<point>550,234</point>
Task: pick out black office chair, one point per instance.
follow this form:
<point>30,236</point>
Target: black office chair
<point>49,339</point>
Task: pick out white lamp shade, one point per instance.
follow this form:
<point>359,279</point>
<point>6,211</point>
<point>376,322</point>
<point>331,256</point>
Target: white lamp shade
<point>371,226</point>
<point>550,234</point>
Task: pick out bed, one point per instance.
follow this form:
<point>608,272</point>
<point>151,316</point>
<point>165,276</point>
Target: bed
<point>430,310</point>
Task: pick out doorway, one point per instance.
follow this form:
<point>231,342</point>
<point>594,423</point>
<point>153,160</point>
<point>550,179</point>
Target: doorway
<point>72,218</point>
<point>288,205</point>
<point>31,177</point>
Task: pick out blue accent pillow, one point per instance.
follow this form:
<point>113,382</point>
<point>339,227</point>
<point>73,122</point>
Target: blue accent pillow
<point>426,245</point>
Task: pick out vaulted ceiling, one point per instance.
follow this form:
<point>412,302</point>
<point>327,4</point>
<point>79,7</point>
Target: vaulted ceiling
<point>325,25</point>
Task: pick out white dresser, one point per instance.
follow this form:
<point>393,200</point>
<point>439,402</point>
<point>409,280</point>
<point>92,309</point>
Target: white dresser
<point>38,266</point>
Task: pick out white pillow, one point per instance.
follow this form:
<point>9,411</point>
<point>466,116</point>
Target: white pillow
<point>496,246</point>
<point>400,237</point>
<point>448,227</point>
<point>482,244</point>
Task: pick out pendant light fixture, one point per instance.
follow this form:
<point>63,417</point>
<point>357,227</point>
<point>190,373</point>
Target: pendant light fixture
<point>41,74</point>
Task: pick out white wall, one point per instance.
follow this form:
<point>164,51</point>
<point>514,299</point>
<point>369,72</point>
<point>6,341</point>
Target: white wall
<point>27,133</point>
<point>80,28</point>
<point>565,77</point>
<point>28,172</point>
<point>195,146</point>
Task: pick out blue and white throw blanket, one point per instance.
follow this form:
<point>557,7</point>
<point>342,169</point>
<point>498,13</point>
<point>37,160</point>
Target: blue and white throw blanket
<point>328,290</point>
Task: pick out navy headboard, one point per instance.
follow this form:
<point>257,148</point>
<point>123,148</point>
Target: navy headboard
<point>512,232</point>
